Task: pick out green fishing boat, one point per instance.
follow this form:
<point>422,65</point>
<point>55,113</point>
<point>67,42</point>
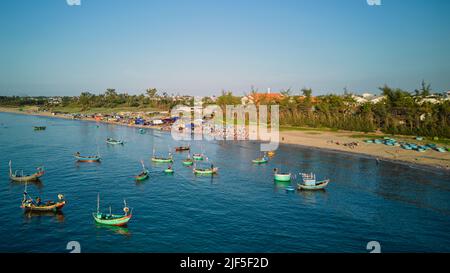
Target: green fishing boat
<point>40,128</point>
<point>188,162</point>
<point>156,159</point>
<point>208,171</point>
<point>162,159</point>
<point>262,160</point>
<point>169,171</point>
<point>143,175</point>
<point>282,177</point>
<point>112,219</point>
<point>197,157</point>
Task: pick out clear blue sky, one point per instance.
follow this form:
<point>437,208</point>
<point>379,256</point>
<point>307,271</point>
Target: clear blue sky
<point>202,47</point>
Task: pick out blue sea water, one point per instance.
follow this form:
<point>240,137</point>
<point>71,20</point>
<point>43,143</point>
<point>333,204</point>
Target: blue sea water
<point>240,210</point>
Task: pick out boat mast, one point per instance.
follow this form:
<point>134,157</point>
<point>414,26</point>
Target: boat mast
<point>25,193</point>
<point>98,203</point>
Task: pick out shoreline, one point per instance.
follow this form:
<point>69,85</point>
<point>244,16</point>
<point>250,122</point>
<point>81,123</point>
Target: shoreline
<point>325,141</point>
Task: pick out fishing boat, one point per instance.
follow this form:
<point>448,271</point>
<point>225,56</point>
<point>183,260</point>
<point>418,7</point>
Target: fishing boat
<point>282,177</point>
<point>310,182</point>
<point>19,176</point>
<point>182,148</point>
<point>143,175</point>
<point>197,157</point>
<point>112,219</point>
<point>440,149</point>
<point>80,158</point>
<point>29,204</point>
<point>40,128</point>
<point>156,159</point>
<point>114,142</point>
<point>169,170</point>
<point>162,159</point>
<point>206,171</point>
<point>261,160</point>
<point>188,161</point>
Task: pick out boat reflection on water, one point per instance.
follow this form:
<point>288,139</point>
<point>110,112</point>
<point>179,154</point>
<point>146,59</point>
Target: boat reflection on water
<point>29,215</point>
<point>121,230</point>
<point>281,185</point>
<point>313,197</point>
<point>38,183</point>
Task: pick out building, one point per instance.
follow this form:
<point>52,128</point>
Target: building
<point>257,98</point>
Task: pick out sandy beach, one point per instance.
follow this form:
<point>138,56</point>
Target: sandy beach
<point>329,140</point>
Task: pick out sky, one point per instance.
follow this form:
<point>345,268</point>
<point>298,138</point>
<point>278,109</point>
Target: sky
<point>200,47</point>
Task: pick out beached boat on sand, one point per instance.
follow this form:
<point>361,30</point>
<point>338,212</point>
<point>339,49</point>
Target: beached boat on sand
<point>19,176</point>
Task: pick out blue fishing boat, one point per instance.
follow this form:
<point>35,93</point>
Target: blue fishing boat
<point>413,146</point>
<point>406,146</point>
